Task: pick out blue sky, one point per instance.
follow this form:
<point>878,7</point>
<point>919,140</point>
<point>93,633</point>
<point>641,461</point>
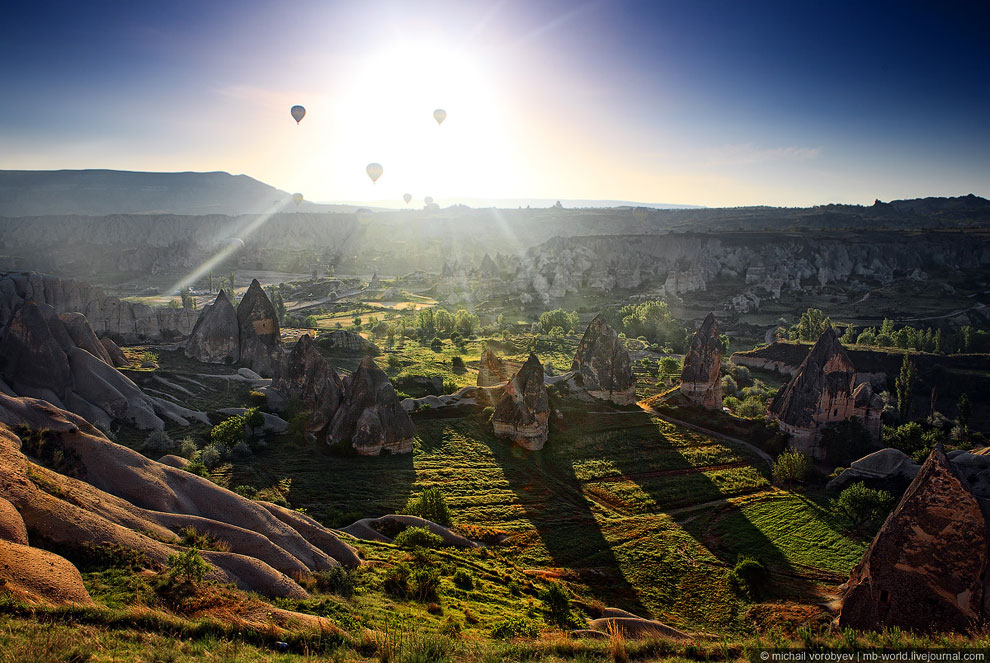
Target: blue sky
<point>711,103</point>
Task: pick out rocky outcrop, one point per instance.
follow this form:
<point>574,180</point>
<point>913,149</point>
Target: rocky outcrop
<point>131,323</point>
<point>523,413</point>
<point>700,375</point>
<point>347,341</point>
<point>370,418</point>
<point>488,269</point>
<point>117,356</point>
<point>887,469</point>
<point>307,378</point>
<point>260,340</point>
<point>102,494</point>
<point>602,366</point>
<point>216,337</point>
<point>39,358</point>
<point>491,369</point>
<point>823,392</point>
<point>926,568</point>
<point>84,337</point>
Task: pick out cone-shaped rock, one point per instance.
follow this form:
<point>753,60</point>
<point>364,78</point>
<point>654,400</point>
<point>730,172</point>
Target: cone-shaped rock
<point>261,344</point>
<point>306,376</point>
<point>523,412</point>
<point>602,366</point>
<point>488,268</point>
<point>926,568</point>
<point>823,391</point>
<point>31,360</point>
<point>491,369</point>
<point>216,338</point>
<point>370,417</point>
<point>84,336</point>
<point>117,356</point>
<point>699,378</point>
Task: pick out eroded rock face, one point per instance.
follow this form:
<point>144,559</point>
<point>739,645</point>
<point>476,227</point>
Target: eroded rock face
<point>39,358</point>
<point>370,417</point>
<point>117,356</point>
<point>260,341</point>
<point>491,369</point>
<point>926,568</point>
<point>602,366</point>
<point>699,377</point>
<point>341,339</point>
<point>106,315</point>
<point>523,412</point>
<point>822,392</point>
<point>306,376</point>
<point>84,337</point>
<point>216,337</point>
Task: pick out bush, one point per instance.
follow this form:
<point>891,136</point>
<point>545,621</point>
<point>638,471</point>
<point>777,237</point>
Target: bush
<point>791,467</point>
<point>336,580</point>
<point>211,456</point>
<point>463,580</point>
<point>431,505</point>
<point>159,443</point>
<point>457,362</point>
<point>244,490</point>
<point>436,345</point>
<point>228,432</point>
<point>241,450</point>
<point>187,567</point>
<point>749,576</point>
<point>417,537</point>
<point>254,419</point>
<point>859,507</point>
<point>514,627</point>
<point>556,604</point>
<point>187,448</point>
<point>396,581</point>
<point>258,399</point>
<point>424,583</point>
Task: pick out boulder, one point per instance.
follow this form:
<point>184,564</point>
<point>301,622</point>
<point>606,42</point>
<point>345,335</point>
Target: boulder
<point>306,377</point>
<point>926,568</point>
<point>11,524</point>
<point>700,382</point>
<point>347,341</point>
<point>523,412</point>
<point>216,337</point>
<point>117,356</point>
<point>370,419</point>
<point>887,469</point>
<point>38,576</point>
<point>260,341</point>
<point>602,366</point>
<point>491,369</point>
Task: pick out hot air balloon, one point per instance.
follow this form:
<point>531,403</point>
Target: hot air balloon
<point>439,115</point>
<point>374,171</point>
<point>297,198</point>
<point>428,200</point>
<point>298,113</point>
<point>407,197</point>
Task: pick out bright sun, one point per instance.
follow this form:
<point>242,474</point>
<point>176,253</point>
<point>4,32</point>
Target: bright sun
<point>384,113</point>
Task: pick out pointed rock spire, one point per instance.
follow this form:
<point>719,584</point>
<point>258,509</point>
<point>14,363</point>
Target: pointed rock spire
<point>370,418</point>
<point>216,338</point>
<point>602,365</point>
<point>523,412</point>
<point>700,375</point>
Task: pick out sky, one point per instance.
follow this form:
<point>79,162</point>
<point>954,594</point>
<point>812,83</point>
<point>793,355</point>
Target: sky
<point>703,103</point>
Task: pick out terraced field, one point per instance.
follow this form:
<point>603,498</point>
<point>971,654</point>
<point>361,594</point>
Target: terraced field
<point>629,509</point>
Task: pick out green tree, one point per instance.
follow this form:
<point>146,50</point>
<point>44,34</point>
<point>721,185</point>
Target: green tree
<point>430,504</point>
<point>858,506</point>
<point>556,604</point>
<point>849,335</point>
<point>443,321</point>
<point>810,325</point>
<point>791,467</point>
<point>187,566</point>
<point>904,384</point>
<point>229,432</point>
<point>653,320</point>
<point>566,320</point>
<point>466,322</point>
<point>963,412</point>
<point>356,321</point>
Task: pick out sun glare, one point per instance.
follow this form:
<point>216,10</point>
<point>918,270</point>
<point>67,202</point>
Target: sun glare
<point>384,113</point>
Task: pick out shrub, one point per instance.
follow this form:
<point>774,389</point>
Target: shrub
<point>858,506</point>
<point>211,456</point>
<point>244,490</point>
<point>258,399</point>
<point>187,448</point>
<point>159,443</point>
<point>791,467</point>
<point>436,345</point>
<point>430,504</point>
<point>396,581</point>
<point>198,468</point>
<point>335,580</point>
<point>749,576</point>
<point>418,537</point>
<point>228,432</point>
<point>463,580</point>
<point>241,450</point>
<point>556,604</point>
<point>187,567</point>
<point>254,419</point>
<point>424,583</point>
<point>393,362</point>
<point>457,362</point>
<point>514,627</point>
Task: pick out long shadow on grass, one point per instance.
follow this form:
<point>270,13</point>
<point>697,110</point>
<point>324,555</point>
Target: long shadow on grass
<point>554,503</point>
<point>663,472</point>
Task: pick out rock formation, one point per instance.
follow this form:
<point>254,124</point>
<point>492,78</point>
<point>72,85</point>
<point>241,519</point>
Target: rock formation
<point>347,341</point>
<point>523,412</point>
<point>117,356</point>
<point>700,375</point>
<point>488,268</point>
<point>926,568</point>
<point>103,494</point>
<point>601,365</point>
<point>822,392</point>
<point>491,369</point>
<point>306,377</point>
<point>260,340</point>
<point>370,418</point>
<point>216,337</point>
<point>40,358</point>
<point>129,322</point>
